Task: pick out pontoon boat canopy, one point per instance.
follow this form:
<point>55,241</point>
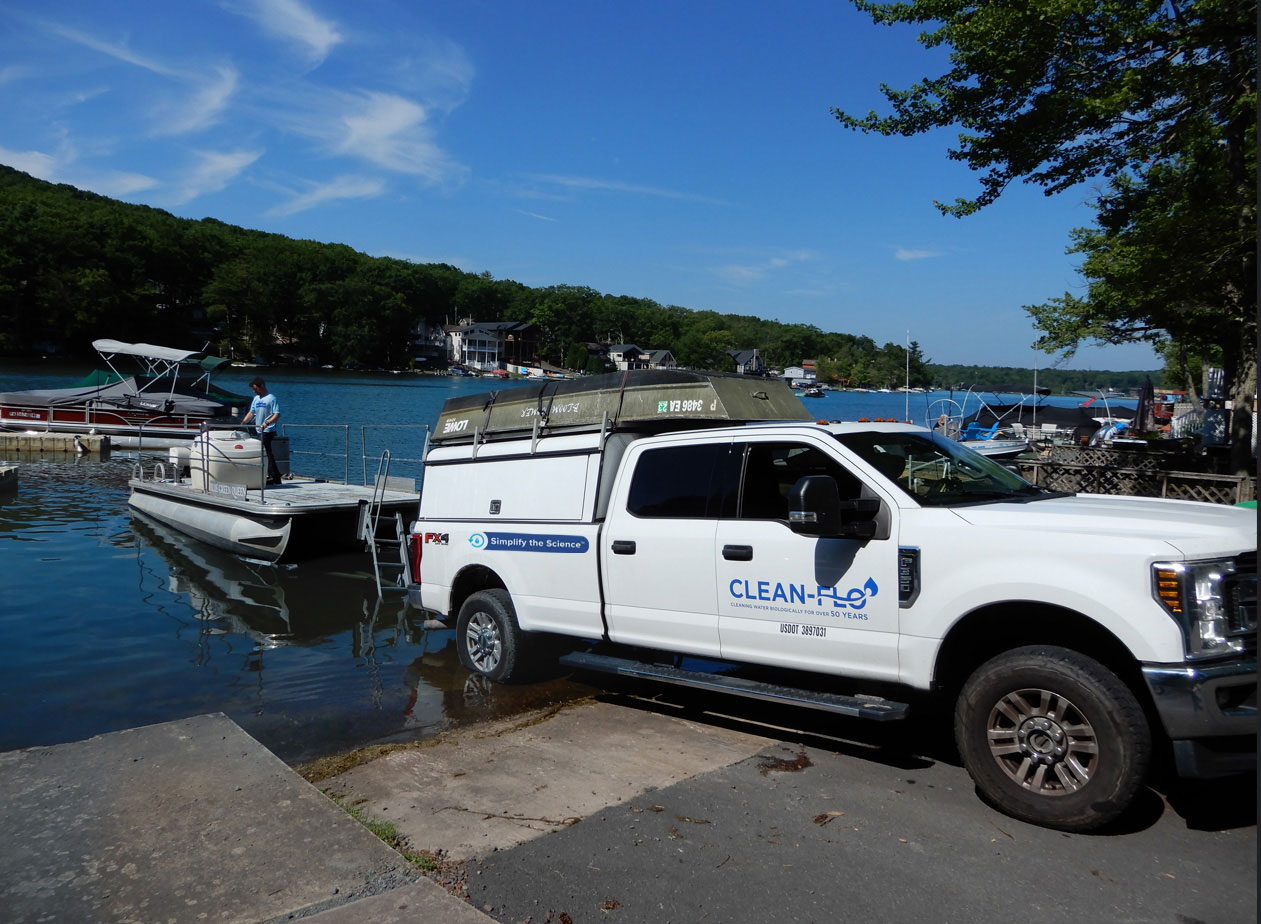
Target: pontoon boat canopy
<point>144,350</point>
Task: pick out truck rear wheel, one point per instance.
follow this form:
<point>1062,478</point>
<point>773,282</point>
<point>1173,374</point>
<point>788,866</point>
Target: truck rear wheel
<point>487,635</point>
<point>1052,737</point>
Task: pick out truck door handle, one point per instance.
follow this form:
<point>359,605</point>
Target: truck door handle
<point>737,552</point>
<point>623,547</point>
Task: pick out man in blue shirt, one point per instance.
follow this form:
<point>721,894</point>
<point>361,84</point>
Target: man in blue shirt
<point>265,413</point>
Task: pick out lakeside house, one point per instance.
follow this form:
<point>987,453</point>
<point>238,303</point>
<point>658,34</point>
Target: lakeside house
<point>499,346</point>
<point>748,362</point>
<point>626,356</point>
<point>799,375</point>
<point>491,345</point>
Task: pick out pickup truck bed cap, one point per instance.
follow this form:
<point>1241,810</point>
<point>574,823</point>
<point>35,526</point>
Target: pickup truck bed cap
<point>641,399</point>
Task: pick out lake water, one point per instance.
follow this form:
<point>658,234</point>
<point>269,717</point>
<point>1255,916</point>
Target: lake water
<point>109,621</point>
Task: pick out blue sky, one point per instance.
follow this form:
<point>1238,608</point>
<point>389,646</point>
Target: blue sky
<point>683,152</point>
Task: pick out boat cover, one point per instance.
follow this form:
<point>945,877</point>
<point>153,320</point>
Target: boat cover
<point>638,399</point>
<point>124,394</point>
<point>1066,418</point>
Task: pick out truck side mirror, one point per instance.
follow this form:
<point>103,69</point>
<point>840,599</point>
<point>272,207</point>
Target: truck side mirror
<point>814,506</point>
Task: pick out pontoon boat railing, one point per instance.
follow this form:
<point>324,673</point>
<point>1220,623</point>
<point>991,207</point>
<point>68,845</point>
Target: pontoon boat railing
<point>364,454</point>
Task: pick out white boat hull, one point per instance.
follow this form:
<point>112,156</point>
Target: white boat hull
<point>301,518</point>
<point>997,449</point>
<point>230,530</point>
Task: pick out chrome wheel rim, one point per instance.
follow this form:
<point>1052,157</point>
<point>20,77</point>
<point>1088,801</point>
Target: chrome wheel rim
<point>1042,742</point>
<point>483,642</point>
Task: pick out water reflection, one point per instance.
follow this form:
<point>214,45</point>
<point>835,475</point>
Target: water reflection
<point>272,605</point>
<point>109,621</point>
<point>356,669</point>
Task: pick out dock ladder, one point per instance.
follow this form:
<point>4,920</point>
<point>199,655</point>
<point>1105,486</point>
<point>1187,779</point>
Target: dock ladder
<point>385,537</point>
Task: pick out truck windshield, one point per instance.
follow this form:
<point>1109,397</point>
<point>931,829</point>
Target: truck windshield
<point>937,471</point>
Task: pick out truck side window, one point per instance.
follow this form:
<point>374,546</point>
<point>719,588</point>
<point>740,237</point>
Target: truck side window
<point>685,481</point>
<point>771,469</point>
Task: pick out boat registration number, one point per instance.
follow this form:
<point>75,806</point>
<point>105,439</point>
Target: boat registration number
<point>680,405</point>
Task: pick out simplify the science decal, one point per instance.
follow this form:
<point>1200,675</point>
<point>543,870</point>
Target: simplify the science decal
<point>528,542</point>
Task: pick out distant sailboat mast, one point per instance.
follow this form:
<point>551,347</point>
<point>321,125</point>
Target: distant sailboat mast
<point>907,416</point>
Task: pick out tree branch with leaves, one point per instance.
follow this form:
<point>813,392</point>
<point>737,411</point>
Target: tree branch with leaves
<point>1153,100</point>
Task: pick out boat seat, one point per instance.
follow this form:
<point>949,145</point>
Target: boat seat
<point>975,431</point>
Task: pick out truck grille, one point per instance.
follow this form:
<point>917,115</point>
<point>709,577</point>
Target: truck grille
<point>1240,592</point>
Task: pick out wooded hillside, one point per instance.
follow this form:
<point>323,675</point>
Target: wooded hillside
<point>75,266</point>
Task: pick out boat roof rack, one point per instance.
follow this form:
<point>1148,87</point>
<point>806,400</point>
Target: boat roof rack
<point>644,400</point>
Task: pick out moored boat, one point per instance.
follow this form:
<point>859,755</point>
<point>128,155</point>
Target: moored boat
<point>225,501</point>
<point>164,402</point>
<point>300,518</point>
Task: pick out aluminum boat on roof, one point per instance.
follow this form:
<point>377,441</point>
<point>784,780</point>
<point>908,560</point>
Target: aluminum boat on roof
<point>641,399</point>
<point>163,402</point>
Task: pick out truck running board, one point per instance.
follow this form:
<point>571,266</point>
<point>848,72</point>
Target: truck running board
<point>880,710</point>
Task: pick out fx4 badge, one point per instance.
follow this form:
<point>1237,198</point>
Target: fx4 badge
<point>436,538</point>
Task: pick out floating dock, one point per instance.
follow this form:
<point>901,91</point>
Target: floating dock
<point>299,518</point>
<point>69,443</point>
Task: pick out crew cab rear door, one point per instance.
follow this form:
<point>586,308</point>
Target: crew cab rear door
<point>657,546</point>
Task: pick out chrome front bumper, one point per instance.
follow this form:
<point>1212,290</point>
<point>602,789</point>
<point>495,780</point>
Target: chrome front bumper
<point>1210,713</point>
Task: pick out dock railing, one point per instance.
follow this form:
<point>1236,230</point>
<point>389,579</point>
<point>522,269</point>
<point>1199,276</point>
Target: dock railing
<point>322,447</point>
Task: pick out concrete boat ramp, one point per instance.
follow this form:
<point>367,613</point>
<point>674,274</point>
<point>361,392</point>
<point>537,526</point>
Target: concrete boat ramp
<point>192,821</point>
<point>625,812</point>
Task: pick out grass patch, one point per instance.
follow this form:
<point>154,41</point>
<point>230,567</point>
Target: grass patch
<point>386,831</point>
<point>316,771</point>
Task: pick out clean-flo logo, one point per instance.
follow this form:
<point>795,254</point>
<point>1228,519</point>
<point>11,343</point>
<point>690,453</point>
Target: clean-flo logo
<point>779,597</point>
<point>529,542</point>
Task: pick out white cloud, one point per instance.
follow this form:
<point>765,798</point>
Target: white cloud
<point>903,253</point>
<point>120,52</point>
<point>116,183</point>
<point>213,171</point>
<point>746,273</point>
<point>438,71</point>
<point>738,275</point>
<point>391,132</point>
<point>534,215</point>
<point>13,73</point>
<point>36,163</point>
<point>580,182</point>
<point>61,168</point>
<point>203,108</point>
<point>79,97</point>
<point>344,187</point>
<point>293,22</point>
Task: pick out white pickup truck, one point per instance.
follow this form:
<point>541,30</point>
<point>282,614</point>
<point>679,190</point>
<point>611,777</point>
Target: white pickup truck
<point>1075,634</point>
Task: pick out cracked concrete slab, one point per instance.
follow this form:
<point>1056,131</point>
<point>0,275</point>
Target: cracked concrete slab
<point>190,820</point>
<point>492,787</point>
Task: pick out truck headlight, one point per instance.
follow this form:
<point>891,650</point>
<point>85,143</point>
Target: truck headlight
<point>1198,594</point>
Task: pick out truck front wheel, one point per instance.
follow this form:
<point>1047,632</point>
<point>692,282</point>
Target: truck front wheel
<point>1052,737</point>
<point>488,637</point>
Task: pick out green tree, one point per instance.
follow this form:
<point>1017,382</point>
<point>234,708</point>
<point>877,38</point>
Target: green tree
<point>1157,99</point>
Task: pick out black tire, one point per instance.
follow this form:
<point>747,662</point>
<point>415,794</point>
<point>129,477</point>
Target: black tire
<point>488,638</point>
<point>1052,737</point>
